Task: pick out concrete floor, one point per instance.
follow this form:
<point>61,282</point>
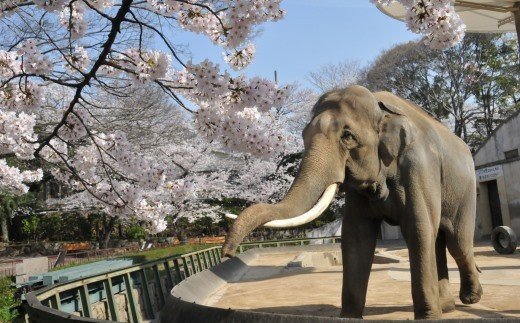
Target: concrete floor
<point>269,286</point>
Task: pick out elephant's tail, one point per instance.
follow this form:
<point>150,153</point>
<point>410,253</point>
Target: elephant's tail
<point>478,269</point>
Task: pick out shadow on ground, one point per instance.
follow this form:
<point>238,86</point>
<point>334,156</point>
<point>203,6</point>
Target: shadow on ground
<point>327,310</point>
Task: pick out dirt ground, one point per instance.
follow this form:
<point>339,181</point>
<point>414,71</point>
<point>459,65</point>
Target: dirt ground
<point>269,286</point>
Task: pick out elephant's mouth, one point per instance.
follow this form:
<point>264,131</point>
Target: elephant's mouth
<point>376,191</point>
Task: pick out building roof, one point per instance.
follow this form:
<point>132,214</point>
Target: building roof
<point>480,16</point>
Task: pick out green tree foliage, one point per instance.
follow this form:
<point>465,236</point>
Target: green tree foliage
<point>496,87</point>
<point>135,232</point>
<point>472,86</point>
<point>10,206</point>
<point>31,227</point>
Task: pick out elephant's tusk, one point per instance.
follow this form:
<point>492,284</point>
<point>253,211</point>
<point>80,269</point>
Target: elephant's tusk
<point>320,206</point>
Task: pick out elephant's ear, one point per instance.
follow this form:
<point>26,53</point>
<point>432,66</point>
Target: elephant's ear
<point>395,133</point>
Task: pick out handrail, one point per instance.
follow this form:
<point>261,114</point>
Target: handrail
<point>57,303</point>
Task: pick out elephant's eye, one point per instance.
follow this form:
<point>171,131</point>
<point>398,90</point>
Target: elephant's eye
<point>347,136</point>
<point>348,139</point>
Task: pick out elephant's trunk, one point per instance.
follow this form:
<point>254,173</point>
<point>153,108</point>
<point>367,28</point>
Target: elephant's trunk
<point>316,174</point>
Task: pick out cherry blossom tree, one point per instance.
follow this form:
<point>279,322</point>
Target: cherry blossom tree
<point>88,49</point>
<point>435,19</point>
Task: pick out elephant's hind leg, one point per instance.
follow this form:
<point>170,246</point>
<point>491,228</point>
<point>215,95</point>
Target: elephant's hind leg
<point>460,245</point>
<point>445,297</point>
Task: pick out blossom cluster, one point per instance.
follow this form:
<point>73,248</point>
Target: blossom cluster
<point>230,27</point>
<point>23,96</point>
<point>146,65</point>
<point>239,59</point>
<point>78,60</point>
<point>13,181</point>
<point>17,134</point>
<point>115,179</point>
<point>436,19</point>
<point>34,62</point>
<point>16,137</point>
<point>75,125</point>
<point>234,111</point>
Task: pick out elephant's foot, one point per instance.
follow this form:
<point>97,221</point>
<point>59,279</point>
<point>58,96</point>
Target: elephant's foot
<point>427,315</point>
<point>445,298</point>
<point>447,304</point>
<point>350,314</point>
<point>470,292</point>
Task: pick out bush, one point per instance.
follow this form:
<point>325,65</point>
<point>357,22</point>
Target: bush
<point>7,300</point>
<point>31,227</point>
<point>135,232</point>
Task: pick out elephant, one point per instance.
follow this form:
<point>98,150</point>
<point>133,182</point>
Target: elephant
<point>397,164</point>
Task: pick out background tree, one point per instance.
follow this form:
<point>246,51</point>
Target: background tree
<point>470,87</point>
<point>335,75</point>
<point>496,85</point>
<point>10,206</point>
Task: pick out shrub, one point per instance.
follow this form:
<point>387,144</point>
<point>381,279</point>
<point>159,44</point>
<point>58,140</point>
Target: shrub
<point>135,232</point>
<point>7,300</point>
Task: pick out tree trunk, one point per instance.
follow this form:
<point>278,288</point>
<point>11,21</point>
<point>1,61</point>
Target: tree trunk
<point>105,231</point>
<point>517,23</point>
<point>5,229</point>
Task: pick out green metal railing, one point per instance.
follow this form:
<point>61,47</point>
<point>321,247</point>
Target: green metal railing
<point>73,300</point>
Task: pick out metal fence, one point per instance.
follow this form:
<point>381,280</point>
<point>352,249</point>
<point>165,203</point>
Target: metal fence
<point>132,286</point>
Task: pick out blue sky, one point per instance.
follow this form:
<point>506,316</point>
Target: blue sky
<point>313,33</point>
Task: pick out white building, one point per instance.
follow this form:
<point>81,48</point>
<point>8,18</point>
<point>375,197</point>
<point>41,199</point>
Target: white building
<point>497,164</point>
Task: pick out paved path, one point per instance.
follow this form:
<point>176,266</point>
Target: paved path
<point>270,286</point>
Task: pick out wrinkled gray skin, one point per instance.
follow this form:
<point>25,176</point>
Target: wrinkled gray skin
<point>398,165</point>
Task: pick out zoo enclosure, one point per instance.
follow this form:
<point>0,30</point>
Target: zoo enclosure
<point>131,294</point>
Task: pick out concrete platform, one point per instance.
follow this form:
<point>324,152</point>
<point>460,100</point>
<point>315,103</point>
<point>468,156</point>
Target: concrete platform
<point>268,285</point>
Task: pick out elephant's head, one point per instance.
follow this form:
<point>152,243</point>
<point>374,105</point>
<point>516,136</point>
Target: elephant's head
<point>350,140</point>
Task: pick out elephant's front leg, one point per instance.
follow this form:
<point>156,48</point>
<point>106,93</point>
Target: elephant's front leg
<point>358,242</point>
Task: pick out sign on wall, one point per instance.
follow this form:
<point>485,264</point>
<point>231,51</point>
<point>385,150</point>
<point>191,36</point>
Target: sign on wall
<point>489,173</point>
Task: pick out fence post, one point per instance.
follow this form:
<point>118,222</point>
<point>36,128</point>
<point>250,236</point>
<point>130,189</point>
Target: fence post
<point>199,262</point>
<point>177,270</point>
<point>147,294</point>
<point>205,260</point>
<point>169,273</point>
<point>85,301</point>
<point>132,306</point>
<point>186,268</point>
<point>193,264</point>
<point>112,306</point>
<point>159,284</point>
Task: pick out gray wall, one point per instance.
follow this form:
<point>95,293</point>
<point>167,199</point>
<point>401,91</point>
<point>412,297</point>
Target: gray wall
<point>491,154</point>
